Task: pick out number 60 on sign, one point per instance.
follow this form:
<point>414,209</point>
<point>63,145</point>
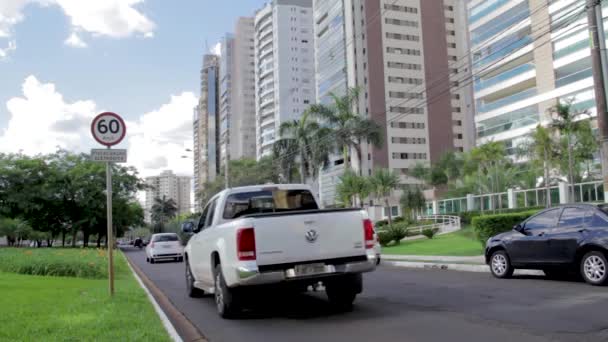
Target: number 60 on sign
<point>108,129</point>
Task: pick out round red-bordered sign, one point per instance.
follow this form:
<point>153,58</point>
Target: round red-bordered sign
<point>108,128</point>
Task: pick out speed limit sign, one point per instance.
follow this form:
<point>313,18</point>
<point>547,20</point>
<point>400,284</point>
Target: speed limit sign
<point>108,128</point>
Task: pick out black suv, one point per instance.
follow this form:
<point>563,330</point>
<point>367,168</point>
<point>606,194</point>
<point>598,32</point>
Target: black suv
<point>556,240</point>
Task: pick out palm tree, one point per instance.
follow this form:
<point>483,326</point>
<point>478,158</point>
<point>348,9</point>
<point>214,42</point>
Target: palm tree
<point>163,209</point>
<point>421,172</point>
<point>564,121</point>
<point>412,199</point>
<point>350,129</point>
<point>299,138</point>
<point>352,188</point>
<point>285,153</point>
<point>383,182</point>
<point>540,149</point>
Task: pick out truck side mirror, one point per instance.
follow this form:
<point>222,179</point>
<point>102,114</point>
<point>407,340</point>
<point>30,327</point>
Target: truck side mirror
<point>188,227</point>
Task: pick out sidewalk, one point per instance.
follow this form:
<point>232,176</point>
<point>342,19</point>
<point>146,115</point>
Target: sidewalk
<point>454,263</point>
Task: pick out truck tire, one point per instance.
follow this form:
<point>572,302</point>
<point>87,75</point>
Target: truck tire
<point>193,292</point>
<point>226,299</point>
<point>342,291</point>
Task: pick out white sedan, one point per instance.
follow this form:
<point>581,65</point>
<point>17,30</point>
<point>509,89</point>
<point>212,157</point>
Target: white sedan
<point>164,246</point>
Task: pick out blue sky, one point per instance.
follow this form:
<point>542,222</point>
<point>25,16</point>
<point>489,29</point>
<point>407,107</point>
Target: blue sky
<point>121,69</point>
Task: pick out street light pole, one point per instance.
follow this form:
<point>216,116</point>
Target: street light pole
<point>597,35</point>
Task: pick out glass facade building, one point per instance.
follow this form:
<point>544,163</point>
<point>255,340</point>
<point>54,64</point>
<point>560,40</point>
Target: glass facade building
<point>527,56</point>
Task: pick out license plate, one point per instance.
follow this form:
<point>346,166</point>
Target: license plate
<point>309,269</point>
<point>166,246</point>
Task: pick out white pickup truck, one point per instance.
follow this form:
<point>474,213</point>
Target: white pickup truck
<point>257,237</point>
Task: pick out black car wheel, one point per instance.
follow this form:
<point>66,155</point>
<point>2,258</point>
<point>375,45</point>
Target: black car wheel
<point>226,299</point>
<point>500,265</point>
<point>594,268</point>
<point>192,291</point>
<point>342,292</point>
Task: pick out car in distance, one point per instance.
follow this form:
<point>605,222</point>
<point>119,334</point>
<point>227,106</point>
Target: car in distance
<point>163,247</point>
<point>558,240</point>
<point>275,236</point>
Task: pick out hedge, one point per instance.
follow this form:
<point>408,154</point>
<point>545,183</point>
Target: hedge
<point>466,217</point>
<point>489,225</point>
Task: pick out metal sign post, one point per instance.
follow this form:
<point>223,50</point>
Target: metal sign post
<point>110,233</point>
<point>109,129</point>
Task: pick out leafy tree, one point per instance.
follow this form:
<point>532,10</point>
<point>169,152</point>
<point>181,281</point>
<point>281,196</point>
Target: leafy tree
<point>540,149</point>
<point>412,200</point>
<point>285,153</point>
<point>565,122</point>
<point>383,182</point>
<point>243,172</point>
<point>163,210</point>
<point>352,188</point>
<point>350,129</point>
<point>421,172</point>
<point>299,140</point>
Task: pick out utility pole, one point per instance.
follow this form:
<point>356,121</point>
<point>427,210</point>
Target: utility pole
<point>597,35</point>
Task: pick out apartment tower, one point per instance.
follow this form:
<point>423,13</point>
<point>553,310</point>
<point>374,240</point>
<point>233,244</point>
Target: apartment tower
<point>284,67</point>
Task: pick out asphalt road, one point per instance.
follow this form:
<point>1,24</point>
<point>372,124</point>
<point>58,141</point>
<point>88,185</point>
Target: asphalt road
<point>407,305</point>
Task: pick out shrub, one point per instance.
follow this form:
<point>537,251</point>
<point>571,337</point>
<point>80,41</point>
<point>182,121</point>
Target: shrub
<point>384,238</point>
<point>398,219</point>
<point>381,223</point>
<point>82,263</point>
<point>430,232</point>
<point>489,225</point>
<point>398,231</point>
<point>466,217</point>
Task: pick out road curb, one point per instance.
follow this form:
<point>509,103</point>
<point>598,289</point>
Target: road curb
<point>172,318</point>
<point>452,267</point>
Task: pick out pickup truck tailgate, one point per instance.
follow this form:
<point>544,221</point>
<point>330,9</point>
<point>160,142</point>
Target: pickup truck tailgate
<point>309,237</point>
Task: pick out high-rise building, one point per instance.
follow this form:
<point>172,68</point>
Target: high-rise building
<point>169,186</point>
<point>226,96</point>
<point>284,67</point>
<point>527,55</point>
<point>340,65</point>
<point>206,126</point>
<point>242,136</point>
<point>406,57</point>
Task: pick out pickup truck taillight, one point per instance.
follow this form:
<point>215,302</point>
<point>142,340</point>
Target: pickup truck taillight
<point>245,244</point>
<point>368,228</point>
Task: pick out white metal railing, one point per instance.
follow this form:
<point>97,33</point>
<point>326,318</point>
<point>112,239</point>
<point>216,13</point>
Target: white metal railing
<point>443,223</point>
<point>584,192</point>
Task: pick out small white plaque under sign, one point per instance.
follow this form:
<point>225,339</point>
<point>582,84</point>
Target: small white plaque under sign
<point>109,155</point>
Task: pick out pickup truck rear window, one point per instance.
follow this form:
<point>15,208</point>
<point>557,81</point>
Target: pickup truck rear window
<point>258,202</point>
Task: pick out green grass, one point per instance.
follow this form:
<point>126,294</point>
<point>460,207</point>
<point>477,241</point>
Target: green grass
<point>460,243</point>
<point>82,263</point>
<point>44,308</point>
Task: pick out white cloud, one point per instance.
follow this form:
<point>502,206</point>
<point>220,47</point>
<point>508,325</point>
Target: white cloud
<point>42,120</point>
<point>217,49</point>
<point>158,139</point>
<point>11,12</point>
<point>111,18</point>
<point>12,46</point>
<point>75,41</point>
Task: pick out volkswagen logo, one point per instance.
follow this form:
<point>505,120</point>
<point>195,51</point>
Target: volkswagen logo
<point>311,235</point>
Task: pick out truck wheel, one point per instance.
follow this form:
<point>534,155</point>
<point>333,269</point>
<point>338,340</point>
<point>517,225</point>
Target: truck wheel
<point>342,292</point>
<point>226,300</point>
<point>192,291</point>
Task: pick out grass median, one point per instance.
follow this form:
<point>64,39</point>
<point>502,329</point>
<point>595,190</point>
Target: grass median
<point>459,243</point>
<point>59,308</point>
